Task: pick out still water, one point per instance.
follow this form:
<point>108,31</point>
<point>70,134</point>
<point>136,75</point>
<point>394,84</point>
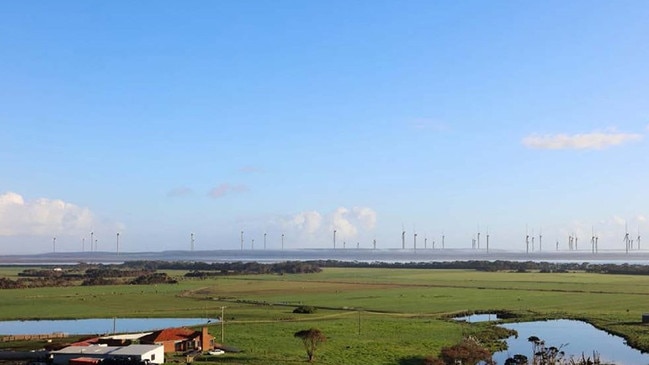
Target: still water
<point>96,325</point>
<point>488,317</point>
<point>574,338</point>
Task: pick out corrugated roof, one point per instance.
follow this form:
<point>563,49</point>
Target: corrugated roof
<point>171,334</point>
<point>104,350</point>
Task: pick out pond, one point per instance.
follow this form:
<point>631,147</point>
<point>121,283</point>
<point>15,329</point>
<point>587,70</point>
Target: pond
<point>487,317</point>
<point>96,325</point>
<point>574,338</point>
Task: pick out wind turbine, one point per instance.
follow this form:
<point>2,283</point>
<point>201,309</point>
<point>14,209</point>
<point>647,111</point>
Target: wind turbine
<point>117,243</point>
<point>92,241</point>
<point>334,239</point>
<point>540,239</point>
<point>282,241</point>
<point>626,238</point>
<point>487,239</point>
<point>403,238</point>
<point>191,241</point>
<point>533,240</point>
<point>241,240</point>
<point>264,241</point>
<point>592,239</point>
<point>415,241</point>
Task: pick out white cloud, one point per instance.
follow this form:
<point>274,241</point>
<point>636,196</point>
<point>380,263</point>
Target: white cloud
<point>312,228</point>
<point>342,224</point>
<point>225,188</point>
<point>41,217</point>
<point>180,191</point>
<point>594,140</point>
<point>366,216</point>
<point>308,222</point>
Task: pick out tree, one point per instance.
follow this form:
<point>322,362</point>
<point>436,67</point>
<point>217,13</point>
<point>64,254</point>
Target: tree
<point>467,352</point>
<point>311,339</point>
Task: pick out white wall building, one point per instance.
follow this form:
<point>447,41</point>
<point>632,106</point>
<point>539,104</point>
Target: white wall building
<point>151,353</point>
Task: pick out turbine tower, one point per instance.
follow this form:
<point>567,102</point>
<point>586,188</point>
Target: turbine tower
<point>241,240</point>
<point>92,241</point>
<point>638,238</point>
<point>264,241</point>
<point>540,239</point>
<point>532,242</point>
<point>191,241</point>
<point>282,241</point>
<point>53,244</point>
<point>487,236</point>
<point>626,238</point>
<point>334,239</point>
<point>118,243</point>
<point>592,240</point>
<point>415,241</point>
<point>403,239</point>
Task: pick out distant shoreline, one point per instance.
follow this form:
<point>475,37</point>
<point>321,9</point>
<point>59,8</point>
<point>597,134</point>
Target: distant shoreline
<point>360,255</point>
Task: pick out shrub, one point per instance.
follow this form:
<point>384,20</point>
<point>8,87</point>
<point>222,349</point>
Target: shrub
<point>305,309</point>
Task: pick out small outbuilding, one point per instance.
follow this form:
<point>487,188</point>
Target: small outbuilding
<point>136,353</point>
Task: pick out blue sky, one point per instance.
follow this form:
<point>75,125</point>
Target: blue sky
<point>161,119</point>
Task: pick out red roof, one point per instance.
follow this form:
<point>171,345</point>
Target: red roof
<point>170,334</point>
<point>84,361</point>
<point>86,342</point>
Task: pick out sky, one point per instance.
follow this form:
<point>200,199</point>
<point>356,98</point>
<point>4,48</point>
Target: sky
<point>162,119</point>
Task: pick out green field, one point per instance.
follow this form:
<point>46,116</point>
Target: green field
<point>392,316</point>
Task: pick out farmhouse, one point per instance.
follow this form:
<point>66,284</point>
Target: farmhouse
<point>136,353</point>
<point>180,339</point>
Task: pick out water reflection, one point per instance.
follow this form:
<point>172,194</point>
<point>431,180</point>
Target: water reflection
<point>96,325</point>
<point>488,317</point>
<point>574,338</point>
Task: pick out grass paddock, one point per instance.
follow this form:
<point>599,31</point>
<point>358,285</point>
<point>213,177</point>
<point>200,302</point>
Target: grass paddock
<point>392,316</point>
